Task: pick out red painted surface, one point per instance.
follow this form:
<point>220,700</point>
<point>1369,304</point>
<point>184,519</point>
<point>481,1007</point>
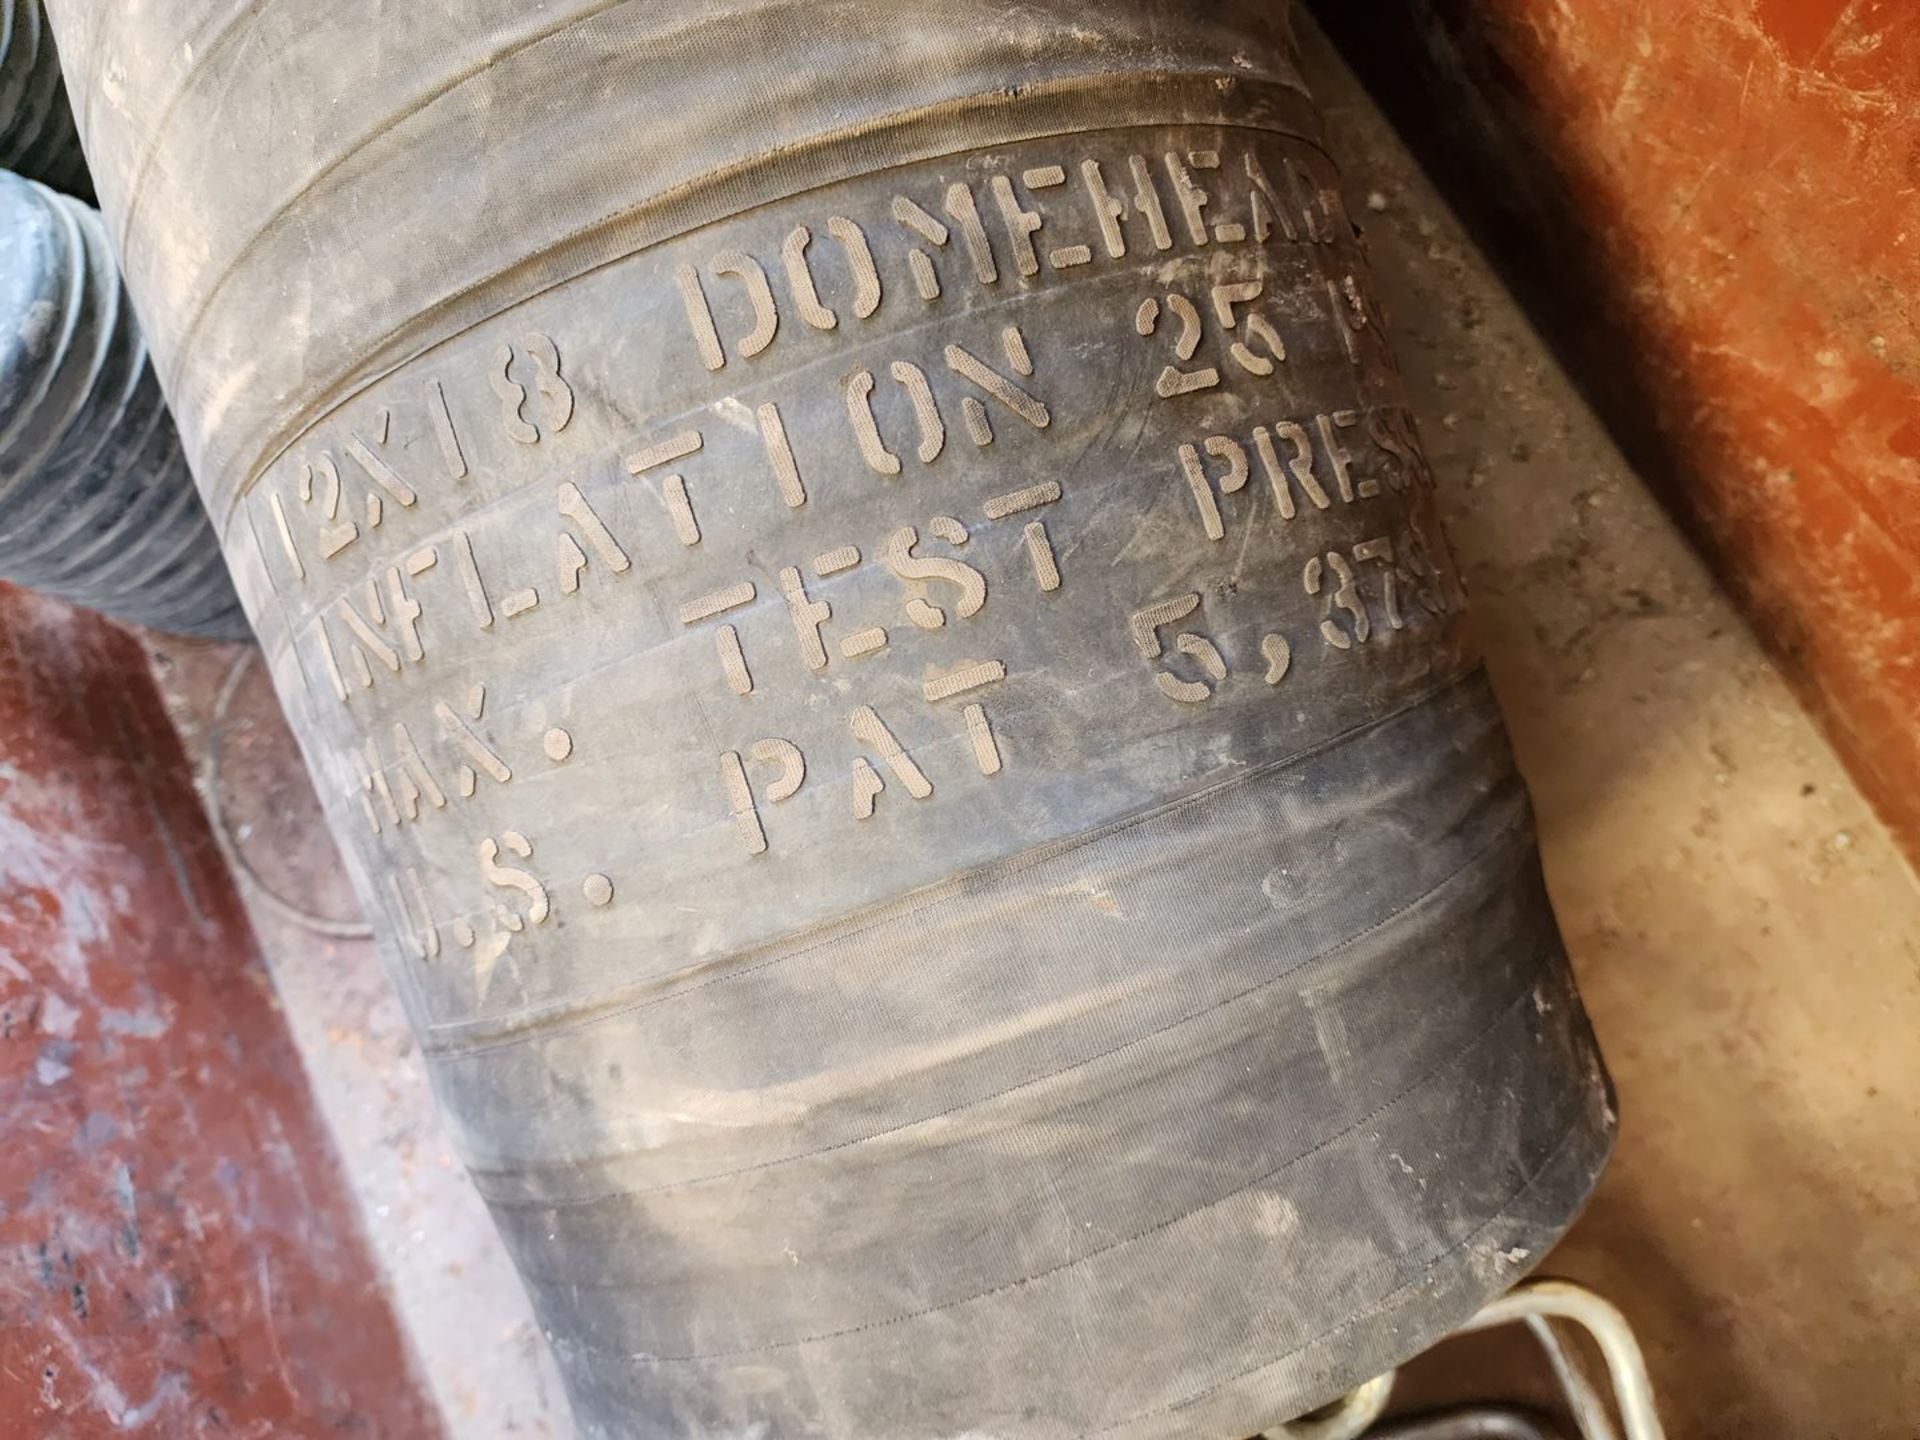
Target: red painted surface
<point>177,1253</point>
<point>1715,206</point>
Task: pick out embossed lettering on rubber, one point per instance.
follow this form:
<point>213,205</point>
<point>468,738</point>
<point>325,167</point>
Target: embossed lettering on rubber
<point>877,534</point>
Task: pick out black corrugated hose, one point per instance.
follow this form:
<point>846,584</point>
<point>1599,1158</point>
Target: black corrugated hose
<point>37,135</point>
<point>96,504</point>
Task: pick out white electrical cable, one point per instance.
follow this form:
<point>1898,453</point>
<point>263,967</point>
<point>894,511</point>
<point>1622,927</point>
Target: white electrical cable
<point>1563,1300</point>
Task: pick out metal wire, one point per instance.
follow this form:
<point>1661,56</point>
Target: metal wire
<point>230,846</point>
<point>1470,1422</point>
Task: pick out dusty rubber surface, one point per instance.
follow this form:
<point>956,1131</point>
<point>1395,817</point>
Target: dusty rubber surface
<point>887,668</point>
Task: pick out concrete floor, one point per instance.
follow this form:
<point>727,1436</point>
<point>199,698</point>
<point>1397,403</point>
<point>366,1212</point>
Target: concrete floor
<point>1745,935</point>
<point>1747,938</point>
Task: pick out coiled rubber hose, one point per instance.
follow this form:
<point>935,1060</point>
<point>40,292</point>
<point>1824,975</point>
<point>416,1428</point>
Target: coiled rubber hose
<point>37,134</point>
<point>860,587</point>
<point>96,505</point>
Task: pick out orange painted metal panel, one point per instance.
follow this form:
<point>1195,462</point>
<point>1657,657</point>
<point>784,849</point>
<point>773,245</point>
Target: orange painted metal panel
<point>1713,208</point>
<point>177,1252</point>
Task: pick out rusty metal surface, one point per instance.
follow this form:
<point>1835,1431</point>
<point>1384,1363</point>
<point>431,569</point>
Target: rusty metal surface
<point>1714,210</point>
<point>177,1254</point>
<point>454,1292</point>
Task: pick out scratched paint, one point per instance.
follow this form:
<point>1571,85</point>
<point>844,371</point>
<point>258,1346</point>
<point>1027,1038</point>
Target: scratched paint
<point>1713,208</point>
<point>176,1252</point>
